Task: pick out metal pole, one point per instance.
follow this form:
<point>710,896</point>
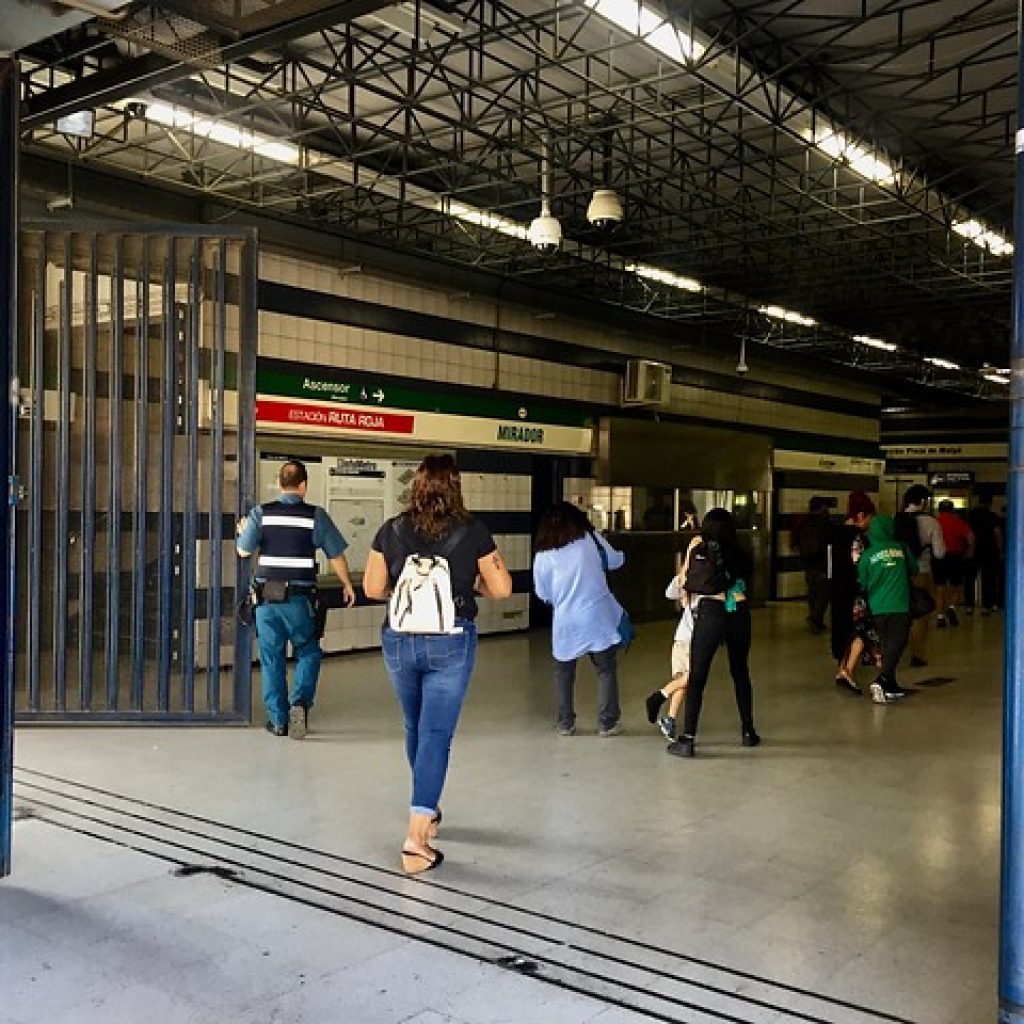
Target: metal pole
<point>8,327</point>
<point>1011,946</point>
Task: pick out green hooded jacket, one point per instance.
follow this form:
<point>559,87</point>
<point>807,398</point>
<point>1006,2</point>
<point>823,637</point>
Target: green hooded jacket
<point>885,568</point>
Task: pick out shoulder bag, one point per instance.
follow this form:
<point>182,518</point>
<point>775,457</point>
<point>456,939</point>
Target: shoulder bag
<point>626,629</point>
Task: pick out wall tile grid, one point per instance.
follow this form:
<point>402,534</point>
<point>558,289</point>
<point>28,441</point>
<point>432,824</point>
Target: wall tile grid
<point>359,628</point>
<point>376,351</point>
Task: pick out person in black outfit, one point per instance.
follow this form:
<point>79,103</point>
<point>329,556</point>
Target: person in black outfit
<point>844,588</point>
<point>811,539</point>
<point>988,556</point>
<point>720,617</point>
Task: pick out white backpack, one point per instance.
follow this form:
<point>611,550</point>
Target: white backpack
<point>422,600</point>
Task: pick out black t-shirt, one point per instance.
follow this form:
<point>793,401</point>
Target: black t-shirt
<point>476,543</point>
<point>984,523</point>
<point>844,570</point>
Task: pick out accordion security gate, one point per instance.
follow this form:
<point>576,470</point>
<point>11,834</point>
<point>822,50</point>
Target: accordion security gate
<point>135,453</point>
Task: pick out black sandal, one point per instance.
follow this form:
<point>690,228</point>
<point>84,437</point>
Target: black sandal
<point>414,863</point>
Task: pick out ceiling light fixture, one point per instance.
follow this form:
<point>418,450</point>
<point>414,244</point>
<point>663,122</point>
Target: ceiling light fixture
<point>866,339</point>
<point>778,313</point>
<point>638,19</point>
<point>688,284</point>
<point>942,364</point>
<point>223,132</point>
<point>857,156</point>
<point>976,232</point>
<point>484,219</point>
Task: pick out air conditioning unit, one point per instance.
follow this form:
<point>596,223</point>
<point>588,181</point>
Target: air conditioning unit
<point>646,383</point>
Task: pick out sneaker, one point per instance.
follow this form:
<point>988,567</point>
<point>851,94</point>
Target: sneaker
<point>940,622</point>
<point>653,704</point>
<point>916,662</point>
<point>682,747</point>
<point>276,730</point>
<point>878,694</point>
<point>298,721</point>
<point>565,730</point>
<point>751,739</point>
<point>894,691</point>
<point>613,730</point>
<point>954,619</point>
<point>667,725</point>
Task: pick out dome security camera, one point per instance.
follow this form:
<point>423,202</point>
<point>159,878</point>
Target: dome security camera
<point>742,368</point>
<point>545,233</point>
<point>605,209</point>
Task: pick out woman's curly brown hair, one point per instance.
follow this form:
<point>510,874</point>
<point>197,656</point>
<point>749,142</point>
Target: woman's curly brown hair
<point>435,499</point>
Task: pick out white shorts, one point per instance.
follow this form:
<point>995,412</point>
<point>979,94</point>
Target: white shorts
<point>680,659</point>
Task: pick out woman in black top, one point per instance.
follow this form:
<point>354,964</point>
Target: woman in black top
<point>430,671</point>
<point>721,616</point>
<point>848,636</point>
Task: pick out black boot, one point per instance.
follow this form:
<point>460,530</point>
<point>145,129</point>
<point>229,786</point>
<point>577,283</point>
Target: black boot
<point>654,703</point>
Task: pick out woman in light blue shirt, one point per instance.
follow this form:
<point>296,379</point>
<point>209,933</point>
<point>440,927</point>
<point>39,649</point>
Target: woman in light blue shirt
<point>568,574</point>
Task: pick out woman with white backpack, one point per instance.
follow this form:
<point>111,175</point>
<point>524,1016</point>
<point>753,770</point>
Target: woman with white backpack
<point>432,561</point>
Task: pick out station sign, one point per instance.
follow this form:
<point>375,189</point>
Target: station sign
<point>952,478</point>
<point>981,450</point>
<point>275,413</point>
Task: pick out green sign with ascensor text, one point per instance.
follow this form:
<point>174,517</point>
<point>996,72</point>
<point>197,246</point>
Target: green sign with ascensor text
<point>325,386</point>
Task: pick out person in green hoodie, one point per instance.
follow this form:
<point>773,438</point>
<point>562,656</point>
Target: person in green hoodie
<point>884,572</point>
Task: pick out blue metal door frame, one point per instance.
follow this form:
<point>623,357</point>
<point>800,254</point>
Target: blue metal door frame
<point>137,398</point>
<point>9,98</point>
<point>1011,947</point>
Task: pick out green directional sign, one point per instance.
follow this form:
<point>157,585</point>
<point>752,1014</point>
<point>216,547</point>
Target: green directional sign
<point>322,385</point>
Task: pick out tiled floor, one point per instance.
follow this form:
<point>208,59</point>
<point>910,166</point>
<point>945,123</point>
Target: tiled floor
<point>846,871</point>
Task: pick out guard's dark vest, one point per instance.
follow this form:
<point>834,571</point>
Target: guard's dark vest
<point>287,551</point>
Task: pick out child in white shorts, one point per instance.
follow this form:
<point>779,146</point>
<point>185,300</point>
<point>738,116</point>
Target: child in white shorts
<point>675,689</point>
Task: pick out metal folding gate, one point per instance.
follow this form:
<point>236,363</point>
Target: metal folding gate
<point>134,453</point>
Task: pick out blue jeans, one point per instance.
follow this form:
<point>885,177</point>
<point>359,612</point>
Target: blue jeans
<point>276,624</point>
<point>430,675</point>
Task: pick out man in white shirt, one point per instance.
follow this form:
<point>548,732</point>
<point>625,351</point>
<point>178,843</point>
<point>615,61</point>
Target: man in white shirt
<point>929,545</point>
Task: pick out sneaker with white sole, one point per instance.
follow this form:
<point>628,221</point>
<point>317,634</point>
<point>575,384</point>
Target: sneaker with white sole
<point>565,730</point>
<point>613,730</point>
<point>878,694</point>
<point>667,725</point>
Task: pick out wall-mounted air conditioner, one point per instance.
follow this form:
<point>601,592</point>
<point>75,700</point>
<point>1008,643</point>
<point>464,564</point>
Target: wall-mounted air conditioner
<point>646,383</point>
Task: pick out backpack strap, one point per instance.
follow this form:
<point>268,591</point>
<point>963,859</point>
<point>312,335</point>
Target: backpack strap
<point>600,550</point>
<point>407,543</point>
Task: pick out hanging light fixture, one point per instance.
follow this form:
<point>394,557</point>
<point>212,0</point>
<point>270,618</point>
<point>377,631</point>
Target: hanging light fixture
<point>605,209</point>
<point>545,232</point>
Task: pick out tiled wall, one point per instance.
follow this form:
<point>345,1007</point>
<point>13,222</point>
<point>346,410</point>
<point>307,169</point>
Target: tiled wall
<point>318,342</point>
<point>359,628</point>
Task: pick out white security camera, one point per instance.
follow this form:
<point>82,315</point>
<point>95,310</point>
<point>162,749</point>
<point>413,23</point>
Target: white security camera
<point>742,368</point>
<point>605,209</point>
<point>545,233</point>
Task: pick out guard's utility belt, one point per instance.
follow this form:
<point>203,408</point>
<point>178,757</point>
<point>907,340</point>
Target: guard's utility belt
<point>279,591</point>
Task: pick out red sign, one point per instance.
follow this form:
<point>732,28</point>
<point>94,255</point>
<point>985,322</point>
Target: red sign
<point>303,414</point>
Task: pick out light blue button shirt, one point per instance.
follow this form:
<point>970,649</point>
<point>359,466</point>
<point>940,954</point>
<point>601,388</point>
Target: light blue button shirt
<point>572,580</point>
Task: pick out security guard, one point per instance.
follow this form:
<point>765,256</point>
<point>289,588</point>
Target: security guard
<point>287,533</point>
